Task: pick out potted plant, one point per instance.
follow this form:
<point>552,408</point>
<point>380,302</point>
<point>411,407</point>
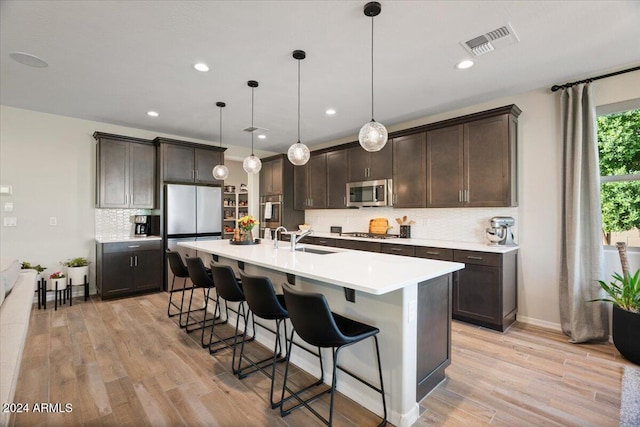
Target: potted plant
<point>624,292</point>
<point>27,266</point>
<point>58,281</point>
<point>77,270</point>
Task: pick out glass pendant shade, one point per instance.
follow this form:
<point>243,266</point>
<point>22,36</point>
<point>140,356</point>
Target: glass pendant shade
<point>373,136</point>
<point>220,172</point>
<point>298,154</point>
<point>252,164</point>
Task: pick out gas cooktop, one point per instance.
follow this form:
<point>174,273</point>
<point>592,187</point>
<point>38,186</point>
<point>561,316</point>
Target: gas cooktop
<point>370,235</point>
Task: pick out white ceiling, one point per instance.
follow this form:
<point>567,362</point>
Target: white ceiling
<point>112,61</point>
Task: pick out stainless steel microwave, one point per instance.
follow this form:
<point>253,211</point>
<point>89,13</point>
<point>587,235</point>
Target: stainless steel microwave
<point>370,193</point>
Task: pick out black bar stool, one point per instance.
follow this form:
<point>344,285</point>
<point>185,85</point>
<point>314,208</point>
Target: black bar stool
<point>201,279</point>
<point>228,289</point>
<point>314,322</point>
<point>178,269</point>
<point>266,304</point>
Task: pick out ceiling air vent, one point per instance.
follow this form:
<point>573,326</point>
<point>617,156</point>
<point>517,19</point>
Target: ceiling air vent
<point>488,42</point>
<point>255,129</point>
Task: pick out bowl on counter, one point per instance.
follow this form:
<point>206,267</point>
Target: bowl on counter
<point>304,227</point>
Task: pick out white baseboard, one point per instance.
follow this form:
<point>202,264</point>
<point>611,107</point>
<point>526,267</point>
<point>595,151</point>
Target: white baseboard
<point>541,323</point>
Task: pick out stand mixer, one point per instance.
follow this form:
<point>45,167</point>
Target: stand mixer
<point>500,231</point>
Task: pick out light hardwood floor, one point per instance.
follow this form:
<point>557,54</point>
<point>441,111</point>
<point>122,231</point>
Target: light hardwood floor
<point>125,363</point>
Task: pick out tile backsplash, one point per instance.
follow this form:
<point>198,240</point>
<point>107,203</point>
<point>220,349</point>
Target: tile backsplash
<point>458,224</point>
<point>116,223</point>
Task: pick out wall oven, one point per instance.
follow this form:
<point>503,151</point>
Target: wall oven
<point>370,193</point>
<point>270,213</point>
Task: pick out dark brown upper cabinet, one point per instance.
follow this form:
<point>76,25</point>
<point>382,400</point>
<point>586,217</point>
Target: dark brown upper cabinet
<point>473,164</point>
<point>189,162</point>
<point>271,182</point>
<point>126,172</point>
<point>409,171</point>
<point>337,178</point>
<point>310,183</point>
<point>367,166</point>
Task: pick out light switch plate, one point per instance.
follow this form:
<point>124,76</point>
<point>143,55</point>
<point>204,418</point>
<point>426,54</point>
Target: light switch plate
<point>6,189</point>
<point>8,206</point>
<point>10,221</point>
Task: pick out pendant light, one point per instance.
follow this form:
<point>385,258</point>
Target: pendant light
<point>373,135</point>
<point>220,172</point>
<point>298,153</point>
<point>252,164</point>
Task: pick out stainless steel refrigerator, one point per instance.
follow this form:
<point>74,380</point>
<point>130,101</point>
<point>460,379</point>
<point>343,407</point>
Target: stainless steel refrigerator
<point>192,212</point>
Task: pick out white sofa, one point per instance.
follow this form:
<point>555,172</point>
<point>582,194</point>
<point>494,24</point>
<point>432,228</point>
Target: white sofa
<point>15,311</point>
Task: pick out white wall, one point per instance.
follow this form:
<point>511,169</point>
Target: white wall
<point>539,173</point>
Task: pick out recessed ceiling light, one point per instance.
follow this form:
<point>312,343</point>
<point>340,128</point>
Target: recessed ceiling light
<point>262,136</point>
<point>463,65</point>
<point>152,113</point>
<point>201,67</point>
<point>330,112</point>
<point>28,59</point>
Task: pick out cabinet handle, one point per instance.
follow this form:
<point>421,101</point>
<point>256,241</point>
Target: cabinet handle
<point>311,202</point>
<point>396,249</point>
<point>460,196</point>
<point>193,174</point>
<point>466,196</point>
<point>322,241</point>
<point>135,263</point>
<point>133,246</point>
<point>197,174</point>
<point>130,261</point>
<point>479,258</point>
<point>433,253</point>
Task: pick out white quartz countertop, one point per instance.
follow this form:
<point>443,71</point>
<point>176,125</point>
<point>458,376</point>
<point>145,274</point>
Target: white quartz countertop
<point>368,272</point>
<point>446,244</point>
<point>116,239</point>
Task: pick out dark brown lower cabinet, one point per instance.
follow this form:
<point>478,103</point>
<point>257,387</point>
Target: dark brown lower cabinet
<point>359,245</point>
<point>485,291</point>
<point>434,333</point>
<point>128,268</point>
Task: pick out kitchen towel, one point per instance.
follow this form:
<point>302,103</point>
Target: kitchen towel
<point>267,210</point>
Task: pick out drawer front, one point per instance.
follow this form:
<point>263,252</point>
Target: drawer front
<point>434,253</point>
<point>131,246</point>
<point>323,241</point>
<point>358,245</point>
<point>405,250</point>
<point>477,258</point>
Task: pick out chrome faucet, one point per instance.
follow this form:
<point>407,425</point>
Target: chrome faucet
<point>295,238</point>
<point>275,235</point>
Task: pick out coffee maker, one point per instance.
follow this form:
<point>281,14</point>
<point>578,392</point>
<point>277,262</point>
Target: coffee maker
<point>146,225</point>
<point>500,231</point>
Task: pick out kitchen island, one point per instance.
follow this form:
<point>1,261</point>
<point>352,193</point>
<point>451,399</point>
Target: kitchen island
<point>408,299</point>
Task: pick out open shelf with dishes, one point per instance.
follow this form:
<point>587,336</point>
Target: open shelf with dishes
<point>235,205</point>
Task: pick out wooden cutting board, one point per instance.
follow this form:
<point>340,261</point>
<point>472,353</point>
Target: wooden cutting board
<point>379,226</point>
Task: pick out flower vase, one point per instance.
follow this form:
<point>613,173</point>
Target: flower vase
<point>247,236</point>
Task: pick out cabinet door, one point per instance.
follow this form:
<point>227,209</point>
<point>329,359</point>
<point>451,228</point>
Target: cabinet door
<point>142,175</point>
<point>116,273</point>
<point>300,187</point>
<point>271,178</point>
<point>147,271</point>
<point>476,294</point>
<point>317,181</point>
<point>337,175</point>
<point>205,161</point>
<point>409,171</point>
<point>178,163</point>
<point>276,177</point>
<point>113,180</point>
<point>445,171</point>
<point>358,164</point>
<point>487,162</point>
<point>265,178</point>
<point>381,163</point>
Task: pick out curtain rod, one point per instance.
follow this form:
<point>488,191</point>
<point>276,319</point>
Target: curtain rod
<point>555,88</point>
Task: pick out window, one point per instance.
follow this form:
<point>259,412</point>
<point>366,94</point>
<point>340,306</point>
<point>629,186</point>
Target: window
<point>619,151</point>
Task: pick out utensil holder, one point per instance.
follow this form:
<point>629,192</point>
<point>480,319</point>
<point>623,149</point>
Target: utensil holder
<point>405,231</point>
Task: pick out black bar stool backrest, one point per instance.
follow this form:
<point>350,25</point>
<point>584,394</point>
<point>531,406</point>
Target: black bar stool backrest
<point>262,298</point>
<point>312,318</point>
<point>175,263</point>
<point>226,284</point>
<point>198,273</point>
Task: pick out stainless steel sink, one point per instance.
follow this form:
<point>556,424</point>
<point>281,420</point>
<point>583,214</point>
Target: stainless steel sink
<point>313,251</point>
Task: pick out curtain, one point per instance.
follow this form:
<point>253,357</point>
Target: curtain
<point>582,255</point>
